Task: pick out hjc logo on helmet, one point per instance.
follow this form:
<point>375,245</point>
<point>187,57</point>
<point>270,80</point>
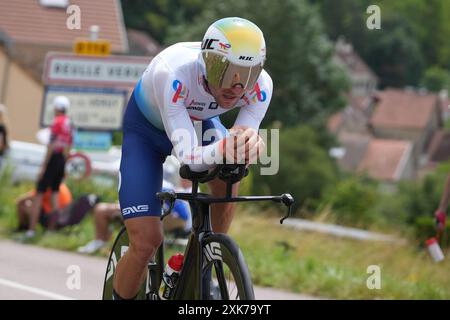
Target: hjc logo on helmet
<point>245,58</point>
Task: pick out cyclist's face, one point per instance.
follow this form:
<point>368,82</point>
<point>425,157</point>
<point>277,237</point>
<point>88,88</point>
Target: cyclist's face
<point>227,98</point>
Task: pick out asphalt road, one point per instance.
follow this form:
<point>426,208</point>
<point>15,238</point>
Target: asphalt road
<point>30,272</point>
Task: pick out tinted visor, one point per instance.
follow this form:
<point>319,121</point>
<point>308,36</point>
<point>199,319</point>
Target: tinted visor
<point>220,72</point>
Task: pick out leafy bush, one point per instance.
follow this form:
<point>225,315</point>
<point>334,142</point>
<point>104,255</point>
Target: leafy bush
<point>353,200</point>
<point>305,169</point>
<point>435,79</point>
<point>80,187</point>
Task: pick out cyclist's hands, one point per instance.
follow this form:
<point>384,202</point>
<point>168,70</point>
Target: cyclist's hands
<point>243,145</point>
<point>441,217</point>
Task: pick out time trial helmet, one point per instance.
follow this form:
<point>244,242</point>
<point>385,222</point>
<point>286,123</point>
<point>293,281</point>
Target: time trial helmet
<point>233,52</point>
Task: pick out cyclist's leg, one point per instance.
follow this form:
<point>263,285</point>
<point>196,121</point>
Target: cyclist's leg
<point>145,236</point>
<point>140,179</point>
<point>221,213</point>
<point>143,153</point>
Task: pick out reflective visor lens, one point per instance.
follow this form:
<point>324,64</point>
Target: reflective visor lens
<point>223,74</point>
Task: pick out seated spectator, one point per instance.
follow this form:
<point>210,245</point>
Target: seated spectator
<point>178,222</point>
<point>47,217</point>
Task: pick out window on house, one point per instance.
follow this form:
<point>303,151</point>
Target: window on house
<point>54,3</point>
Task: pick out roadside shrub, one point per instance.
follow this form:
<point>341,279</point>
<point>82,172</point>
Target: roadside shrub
<point>305,169</point>
<point>352,201</point>
<point>80,187</point>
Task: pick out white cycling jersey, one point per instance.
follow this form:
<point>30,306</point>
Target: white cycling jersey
<point>171,95</point>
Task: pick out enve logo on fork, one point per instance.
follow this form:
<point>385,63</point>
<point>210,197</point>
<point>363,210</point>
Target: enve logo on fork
<point>212,251</point>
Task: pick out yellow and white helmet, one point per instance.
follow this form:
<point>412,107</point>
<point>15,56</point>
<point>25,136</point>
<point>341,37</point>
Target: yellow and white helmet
<point>233,52</point>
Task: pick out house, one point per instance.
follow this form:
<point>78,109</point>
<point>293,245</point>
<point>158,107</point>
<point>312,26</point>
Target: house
<point>354,147</point>
<point>439,150</point>
<point>407,115</point>
<point>384,134</point>
<point>142,44</point>
<point>30,29</point>
<point>363,81</point>
<point>388,160</point>
<point>445,105</point>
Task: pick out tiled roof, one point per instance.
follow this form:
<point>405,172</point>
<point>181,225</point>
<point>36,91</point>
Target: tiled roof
<point>27,21</point>
<point>385,159</point>
<point>403,109</point>
<point>355,146</point>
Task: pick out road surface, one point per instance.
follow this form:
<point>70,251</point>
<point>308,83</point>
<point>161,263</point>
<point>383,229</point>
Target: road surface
<point>31,272</point>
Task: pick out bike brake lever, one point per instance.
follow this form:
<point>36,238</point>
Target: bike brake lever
<point>286,216</point>
<point>168,211</point>
<point>287,200</point>
<point>169,196</point>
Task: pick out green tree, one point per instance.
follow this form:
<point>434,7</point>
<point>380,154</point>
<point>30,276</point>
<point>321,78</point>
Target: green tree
<point>414,35</point>
<point>345,18</point>
<point>435,79</point>
<point>395,54</point>
<point>155,17</point>
<point>307,84</point>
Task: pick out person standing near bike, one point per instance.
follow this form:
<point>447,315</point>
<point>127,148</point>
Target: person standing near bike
<point>179,98</point>
<point>52,169</point>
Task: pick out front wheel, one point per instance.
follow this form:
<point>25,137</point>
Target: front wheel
<point>225,274</point>
<point>118,250</point>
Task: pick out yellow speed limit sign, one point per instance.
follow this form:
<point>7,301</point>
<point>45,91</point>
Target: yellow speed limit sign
<point>94,48</point>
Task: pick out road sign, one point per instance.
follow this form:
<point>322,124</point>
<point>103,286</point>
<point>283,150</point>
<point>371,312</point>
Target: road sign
<point>90,47</point>
<point>109,71</point>
<point>78,166</point>
<point>90,108</point>
<point>91,140</point>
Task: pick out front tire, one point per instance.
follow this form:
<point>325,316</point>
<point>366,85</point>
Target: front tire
<point>225,274</point>
<point>119,248</point>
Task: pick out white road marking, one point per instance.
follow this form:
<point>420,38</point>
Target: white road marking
<point>37,291</point>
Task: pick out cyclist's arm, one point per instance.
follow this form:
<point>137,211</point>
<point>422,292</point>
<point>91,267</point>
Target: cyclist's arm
<point>181,132</point>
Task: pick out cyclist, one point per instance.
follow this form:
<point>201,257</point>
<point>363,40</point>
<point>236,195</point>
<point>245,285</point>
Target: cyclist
<point>177,100</point>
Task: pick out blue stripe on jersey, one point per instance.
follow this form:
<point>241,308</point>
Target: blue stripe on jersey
<point>150,112</point>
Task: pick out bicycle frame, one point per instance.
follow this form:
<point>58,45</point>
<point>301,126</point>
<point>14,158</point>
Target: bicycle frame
<point>190,282</point>
<point>195,275</point>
